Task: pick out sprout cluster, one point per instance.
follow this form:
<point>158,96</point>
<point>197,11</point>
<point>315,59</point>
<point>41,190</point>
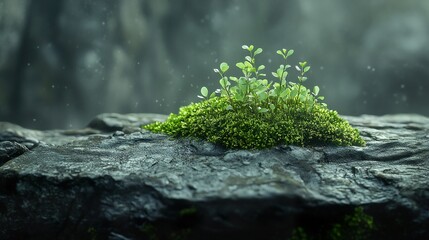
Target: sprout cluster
<point>249,112</point>
<point>254,91</point>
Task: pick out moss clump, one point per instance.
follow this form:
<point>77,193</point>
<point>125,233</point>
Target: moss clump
<point>249,112</point>
<point>242,128</point>
<point>355,226</point>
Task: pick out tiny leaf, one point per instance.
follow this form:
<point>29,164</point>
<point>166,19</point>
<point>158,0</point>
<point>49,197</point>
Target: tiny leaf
<point>224,82</point>
<point>262,110</point>
<point>258,51</point>
<point>284,93</point>
<point>316,90</point>
<point>306,69</point>
<point>242,81</point>
<point>233,79</point>
<point>248,64</point>
<point>297,68</point>
<point>245,47</point>
<point>204,91</point>
<point>240,65</point>
<point>262,96</point>
<point>224,67</point>
<point>285,75</point>
<point>279,72</point>
<point>239,97</point>
<point>289,53</point>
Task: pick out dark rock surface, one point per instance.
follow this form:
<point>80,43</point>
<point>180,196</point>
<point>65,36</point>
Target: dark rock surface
<point>118,182</point>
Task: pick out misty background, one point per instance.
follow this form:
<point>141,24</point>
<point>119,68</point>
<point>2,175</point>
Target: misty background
<point>62,62</point>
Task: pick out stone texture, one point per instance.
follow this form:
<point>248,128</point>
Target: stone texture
<point>133,184</point>
<point>119,122</point>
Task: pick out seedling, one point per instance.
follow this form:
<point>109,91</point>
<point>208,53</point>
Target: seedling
<point>249,111</point>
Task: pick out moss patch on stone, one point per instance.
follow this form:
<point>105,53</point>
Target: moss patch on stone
<point>242,128</point>
<point>250,112</point>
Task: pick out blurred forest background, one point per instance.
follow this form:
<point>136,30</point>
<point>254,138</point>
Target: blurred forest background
<point>64,61</point>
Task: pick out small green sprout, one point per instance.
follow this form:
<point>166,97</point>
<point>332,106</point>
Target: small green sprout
<point>204,92</point>
<point>256,92</point>
<point>250,111</point>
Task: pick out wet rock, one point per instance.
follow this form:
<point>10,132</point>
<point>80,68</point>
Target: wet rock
<point>15,139</point>
<point>14,133</point>
<point>110,122</point>
<point>32,138</point>
<point>140,185</point>
<point>10,150</point>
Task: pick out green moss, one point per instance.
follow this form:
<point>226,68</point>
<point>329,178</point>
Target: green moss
<point>299,234</point>
<point>357,226</point>
<point>92,233</point>
<point>190,211</point>
<point>242,128</point>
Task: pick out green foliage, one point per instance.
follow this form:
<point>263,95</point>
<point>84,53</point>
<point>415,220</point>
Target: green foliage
<point>150,231</point>
<point>249,112</point>
<point>254,91</point>
<point>92,232</point>
<point>299,234</point>
<point>357,226</point>
<point>188,211</point>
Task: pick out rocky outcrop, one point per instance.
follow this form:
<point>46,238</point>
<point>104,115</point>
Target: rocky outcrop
<point>115,181</point>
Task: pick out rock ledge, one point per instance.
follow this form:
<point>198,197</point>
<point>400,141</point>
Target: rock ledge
<point>115,181</point>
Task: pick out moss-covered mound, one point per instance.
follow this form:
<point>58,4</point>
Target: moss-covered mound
<point>250,112</point>
<point>242,128</point>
